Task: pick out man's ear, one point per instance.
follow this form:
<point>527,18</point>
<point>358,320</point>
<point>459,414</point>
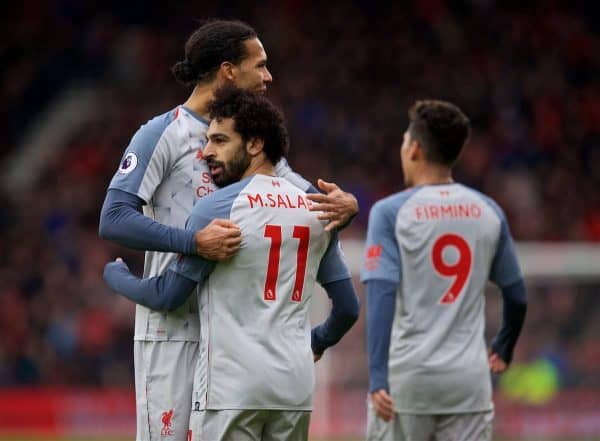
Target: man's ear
<point>415,151</point>
<point>255,146</point>
<point>227,70</point>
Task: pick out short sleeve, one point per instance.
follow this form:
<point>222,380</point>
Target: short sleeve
<point>333,265</point>
<point>146,160</point>
<point>382,256</point>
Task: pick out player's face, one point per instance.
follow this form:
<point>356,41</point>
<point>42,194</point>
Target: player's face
<point>225,153</point>
<point>252,73</point>
<point>406,160</point>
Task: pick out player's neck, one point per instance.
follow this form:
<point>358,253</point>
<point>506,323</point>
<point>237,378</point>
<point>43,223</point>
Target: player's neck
<point>433,175</point>
<point>198,101</point>
<point>260,166</point>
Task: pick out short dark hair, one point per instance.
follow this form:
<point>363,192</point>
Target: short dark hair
<point>210,45</point>
<point>254,116</point>
<point>441,128</point>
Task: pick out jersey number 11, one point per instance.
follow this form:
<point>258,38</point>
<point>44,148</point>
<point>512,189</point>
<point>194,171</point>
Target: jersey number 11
<point>273,232</point>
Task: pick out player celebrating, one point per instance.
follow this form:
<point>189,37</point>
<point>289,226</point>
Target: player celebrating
<point>430,250</point>
<point>161,175</point>
<point>254,378</point>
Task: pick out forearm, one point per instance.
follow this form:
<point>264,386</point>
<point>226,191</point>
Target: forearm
<point>122,221</point>
<point>514,309</point>
<point>381,306</point>
<point>344,313</point>
<point>166,292</point>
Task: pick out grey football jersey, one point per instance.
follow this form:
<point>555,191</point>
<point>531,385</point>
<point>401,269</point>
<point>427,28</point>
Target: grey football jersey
<point>163,165</point>
<point>440,244</point>
<point>255,350</point>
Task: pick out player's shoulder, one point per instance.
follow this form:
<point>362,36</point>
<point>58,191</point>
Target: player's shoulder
<point>220,201</point>
<point>276,184</point>
<point>152,131</point>
<point>159,123</point>
<point>188,116</point>
<point>487,200</point>
<point>283,169</point>
<point>393,202</point>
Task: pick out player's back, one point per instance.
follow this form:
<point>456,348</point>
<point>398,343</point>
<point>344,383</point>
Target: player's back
<point>255,346</point>
<point>447,237</point>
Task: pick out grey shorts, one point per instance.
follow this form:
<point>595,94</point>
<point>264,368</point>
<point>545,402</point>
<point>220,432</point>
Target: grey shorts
<point>476,426</point>
<point>164,373</point>
<point>249,425</point>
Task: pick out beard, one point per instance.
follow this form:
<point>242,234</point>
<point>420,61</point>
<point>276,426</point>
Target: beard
<point>231,171</point>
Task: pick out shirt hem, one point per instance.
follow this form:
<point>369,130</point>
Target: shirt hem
<point>156,338</point>
<point>370,277</point>
<point>131,192</point>
<point>295,409</point>
<point>444,411</point>
<point>336,279</point>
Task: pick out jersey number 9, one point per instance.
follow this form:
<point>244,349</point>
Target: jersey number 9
<point>460,270</point>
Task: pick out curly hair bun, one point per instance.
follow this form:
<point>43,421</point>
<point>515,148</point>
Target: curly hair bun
<point>184,72</point>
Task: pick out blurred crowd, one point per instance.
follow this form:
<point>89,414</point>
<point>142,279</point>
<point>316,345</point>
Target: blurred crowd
<point>344,75</point>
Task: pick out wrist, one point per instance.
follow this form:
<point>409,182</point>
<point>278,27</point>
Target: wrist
<point>378,380</point>
<point>376,387</point>
<point>191,247</point>
<point>502,352</point>
<point>316,344</point>
<point>355,209</point>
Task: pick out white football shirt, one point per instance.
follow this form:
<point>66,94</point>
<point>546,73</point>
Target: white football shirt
<point>163,165</point>
<point>255,349</point>
<point>440,244</point>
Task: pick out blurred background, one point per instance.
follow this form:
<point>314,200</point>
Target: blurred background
<point>78,78</point>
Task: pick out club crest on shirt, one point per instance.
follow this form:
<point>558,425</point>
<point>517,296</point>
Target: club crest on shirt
<point>167,424</point>
<point>128,164</point>
<point>372,257</point>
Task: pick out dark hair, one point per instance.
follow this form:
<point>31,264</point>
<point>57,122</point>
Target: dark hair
<point>441,128</point>
<point>210,45</point>
<point>254,116</point>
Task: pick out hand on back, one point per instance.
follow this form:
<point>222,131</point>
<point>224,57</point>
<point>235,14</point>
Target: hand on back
<point>336,206</point>
<point>219,240</point>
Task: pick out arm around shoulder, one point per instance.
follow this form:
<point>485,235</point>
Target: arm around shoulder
<point>122,222</point>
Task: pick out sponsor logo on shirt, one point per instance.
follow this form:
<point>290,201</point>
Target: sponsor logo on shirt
<point>128,164</point>
<point>203,190</point>
<point>207,186</point>
<point>166,421</point>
